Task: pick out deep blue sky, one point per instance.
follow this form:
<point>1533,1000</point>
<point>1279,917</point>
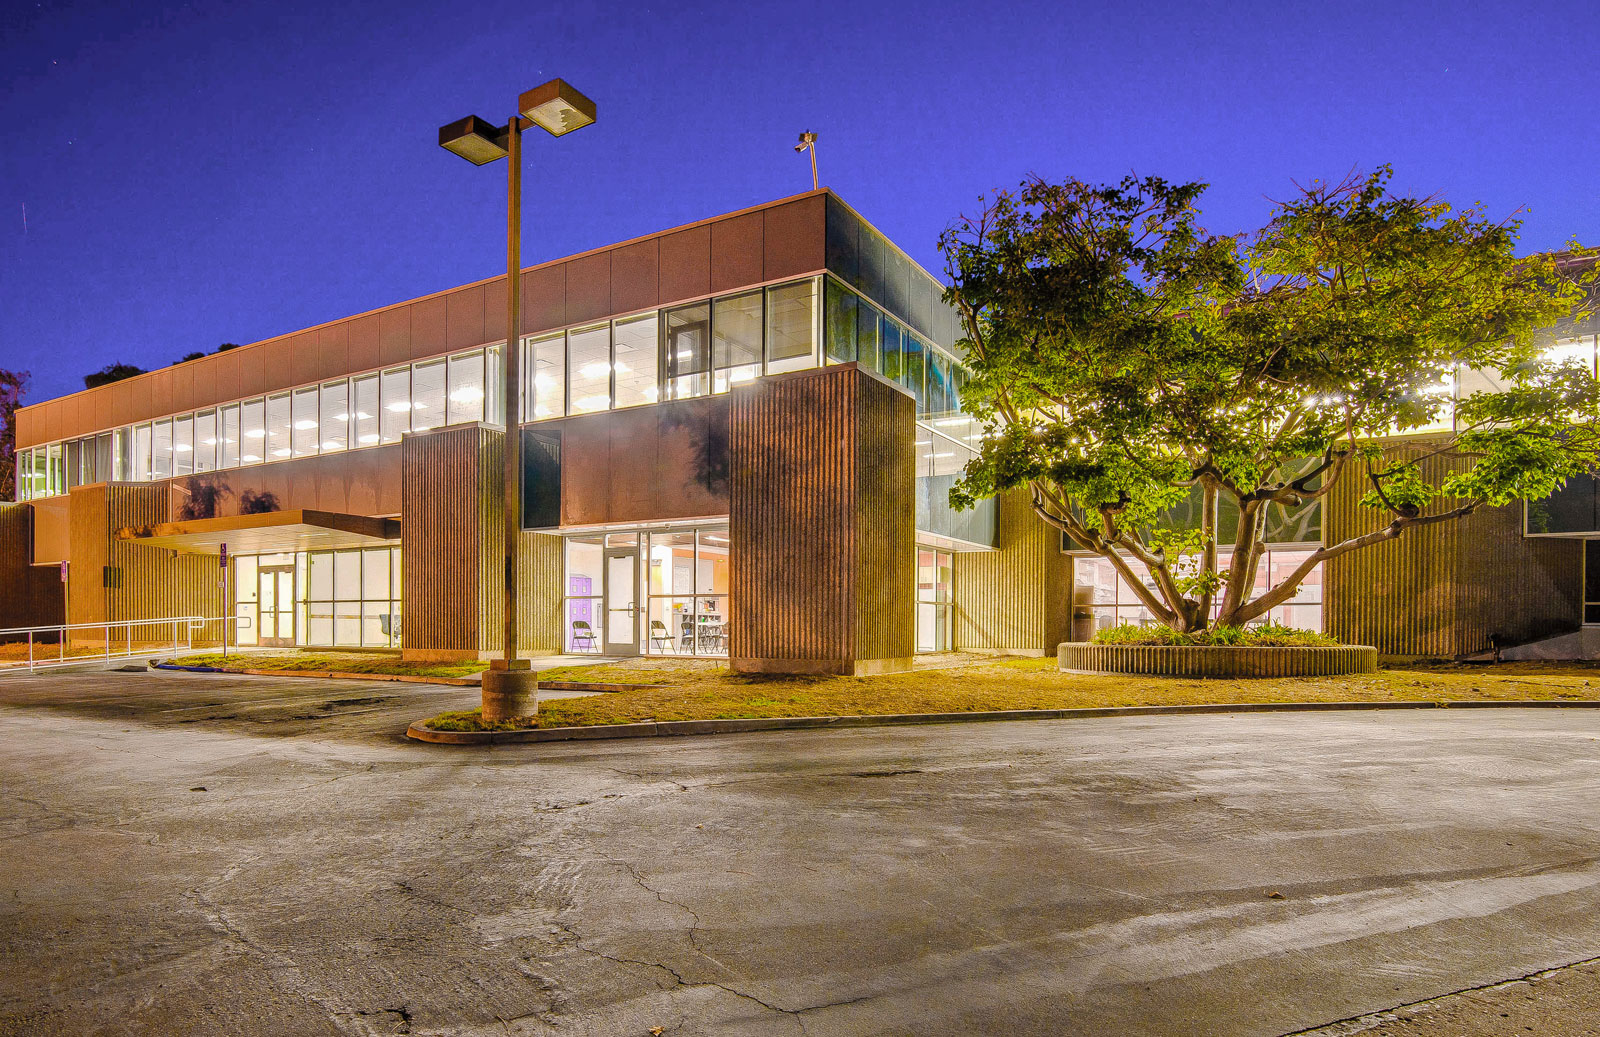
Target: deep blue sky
<point>228,170</point>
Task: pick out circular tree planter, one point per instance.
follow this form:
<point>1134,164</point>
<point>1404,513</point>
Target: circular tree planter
<point>1214,660</point>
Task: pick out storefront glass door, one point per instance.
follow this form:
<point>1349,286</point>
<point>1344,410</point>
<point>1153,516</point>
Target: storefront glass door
<point>621,633</point>
<point>275,598</point>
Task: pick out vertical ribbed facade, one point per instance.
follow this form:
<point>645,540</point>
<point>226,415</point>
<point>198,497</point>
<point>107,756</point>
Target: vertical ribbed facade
<point>821,520</point>
<point>451,524</point>
<point>1018,597</point>
<point>16,555</point>
<point>1442,590</point>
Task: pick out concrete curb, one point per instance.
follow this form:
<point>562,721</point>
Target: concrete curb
<point>457,682</point>
<point>671,728</point>
<point>403,678</point>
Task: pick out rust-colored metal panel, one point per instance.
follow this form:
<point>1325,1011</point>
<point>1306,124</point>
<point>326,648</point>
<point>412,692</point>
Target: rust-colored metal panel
<point>16,557</point>
<point>161,383</point>
<point>795,241</point>
<point>821,524</point>
<point>26,425</point>
<point>428,327</point>
<point>230,375</point>
<point>464,317</point>
<point>253,379</point>
<point>141,408</point>
<point>636,276</point>
<point>394,335</point>
<point>333,350</point>
<point>362,353</point>
<point>183,387</point>
<point>203,391</point>
<point>52,540</point>
<point>686,264</point>
<point>544,297</point>
<point>589,288</point>
<point>736,252</point>
<point>494,310</point>
<point>305,358</point>
<point>645,464</point>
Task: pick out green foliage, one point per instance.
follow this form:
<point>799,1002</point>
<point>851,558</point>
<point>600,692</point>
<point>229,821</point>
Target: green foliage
<point>1262,635</point>
<point>1123,356</point>
<point>11,386</point>
<point>110,373</point>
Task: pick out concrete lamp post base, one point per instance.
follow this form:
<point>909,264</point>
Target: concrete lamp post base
<point>509,693</point>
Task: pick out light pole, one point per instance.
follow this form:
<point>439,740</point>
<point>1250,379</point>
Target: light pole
<point>510,687</point>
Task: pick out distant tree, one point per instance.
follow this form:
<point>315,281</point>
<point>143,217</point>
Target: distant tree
<point>188,357</point>
<point>11,383</point>
<point>227,346</point>
<point>110,373</point>
<point>1124,360</point>
<point>253,503</point>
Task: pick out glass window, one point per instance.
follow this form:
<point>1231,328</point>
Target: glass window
<point>161,449</point>
<point>205,441</point>
<point>183,445</point>
<point>839,331</point>
<point>253,440</point>
<point>634,351</point>
<point>889,357</point>
<point>427,396</point>
<point>24,477</point>
<point>466,388</point>
<point>791,327</point>
<point>589,369</point>
<point>375,574</point>
<point>139,470</point>
<point>494,372</point>
<point>938,380</point>
<point>73,472</point>
<point>333,430</point>
<point>307,426</point>
<point>585,586</point>
<point>912,358</point>
<point>935,591</point>
<point>396,403</point>
<point>279,427</point>
<point>321,575</point>
<point>544,373</point>
<point>58,470</point>
<point>688,351</point>
<point>364,410</point>
<point>121,455</point>
<point>736,340</point>
<point>867,335</point>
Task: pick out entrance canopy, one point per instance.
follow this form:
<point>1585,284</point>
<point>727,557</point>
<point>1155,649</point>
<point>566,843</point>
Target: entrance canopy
<point>273,532</point>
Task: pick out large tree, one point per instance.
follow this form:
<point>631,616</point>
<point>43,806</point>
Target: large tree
<point>11,385</point>
<point>1125,360</point>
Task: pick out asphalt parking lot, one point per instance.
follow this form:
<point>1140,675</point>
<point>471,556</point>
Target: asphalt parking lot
<point>220,855</point>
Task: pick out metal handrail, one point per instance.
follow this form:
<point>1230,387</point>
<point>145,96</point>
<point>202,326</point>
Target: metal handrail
<point>182,630</point>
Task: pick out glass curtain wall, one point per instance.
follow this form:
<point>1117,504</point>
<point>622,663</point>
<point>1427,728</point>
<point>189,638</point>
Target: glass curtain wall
<point>1110,600</point>
<point>685,579</point>
<point>345,598</point>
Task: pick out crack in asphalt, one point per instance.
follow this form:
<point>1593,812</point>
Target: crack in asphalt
<point>1357,1023</point>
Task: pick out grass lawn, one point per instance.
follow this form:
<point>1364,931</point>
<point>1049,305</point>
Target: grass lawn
<point>698,691</point>
<point>330,662</point>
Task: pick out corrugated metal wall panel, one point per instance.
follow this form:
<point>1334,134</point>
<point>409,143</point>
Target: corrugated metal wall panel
<point>16,554</point>
<point>1441,590</point>
<point>443,510</point>
<point>147,582</point>
<point>1018,596</point>
<point>812,521</point>
<point>886,565</point>
<point>540,567</point>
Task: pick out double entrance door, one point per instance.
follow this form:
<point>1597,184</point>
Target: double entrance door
<point>275,610</point>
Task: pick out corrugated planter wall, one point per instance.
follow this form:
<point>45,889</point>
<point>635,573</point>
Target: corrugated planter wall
<point>1215,660</point>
